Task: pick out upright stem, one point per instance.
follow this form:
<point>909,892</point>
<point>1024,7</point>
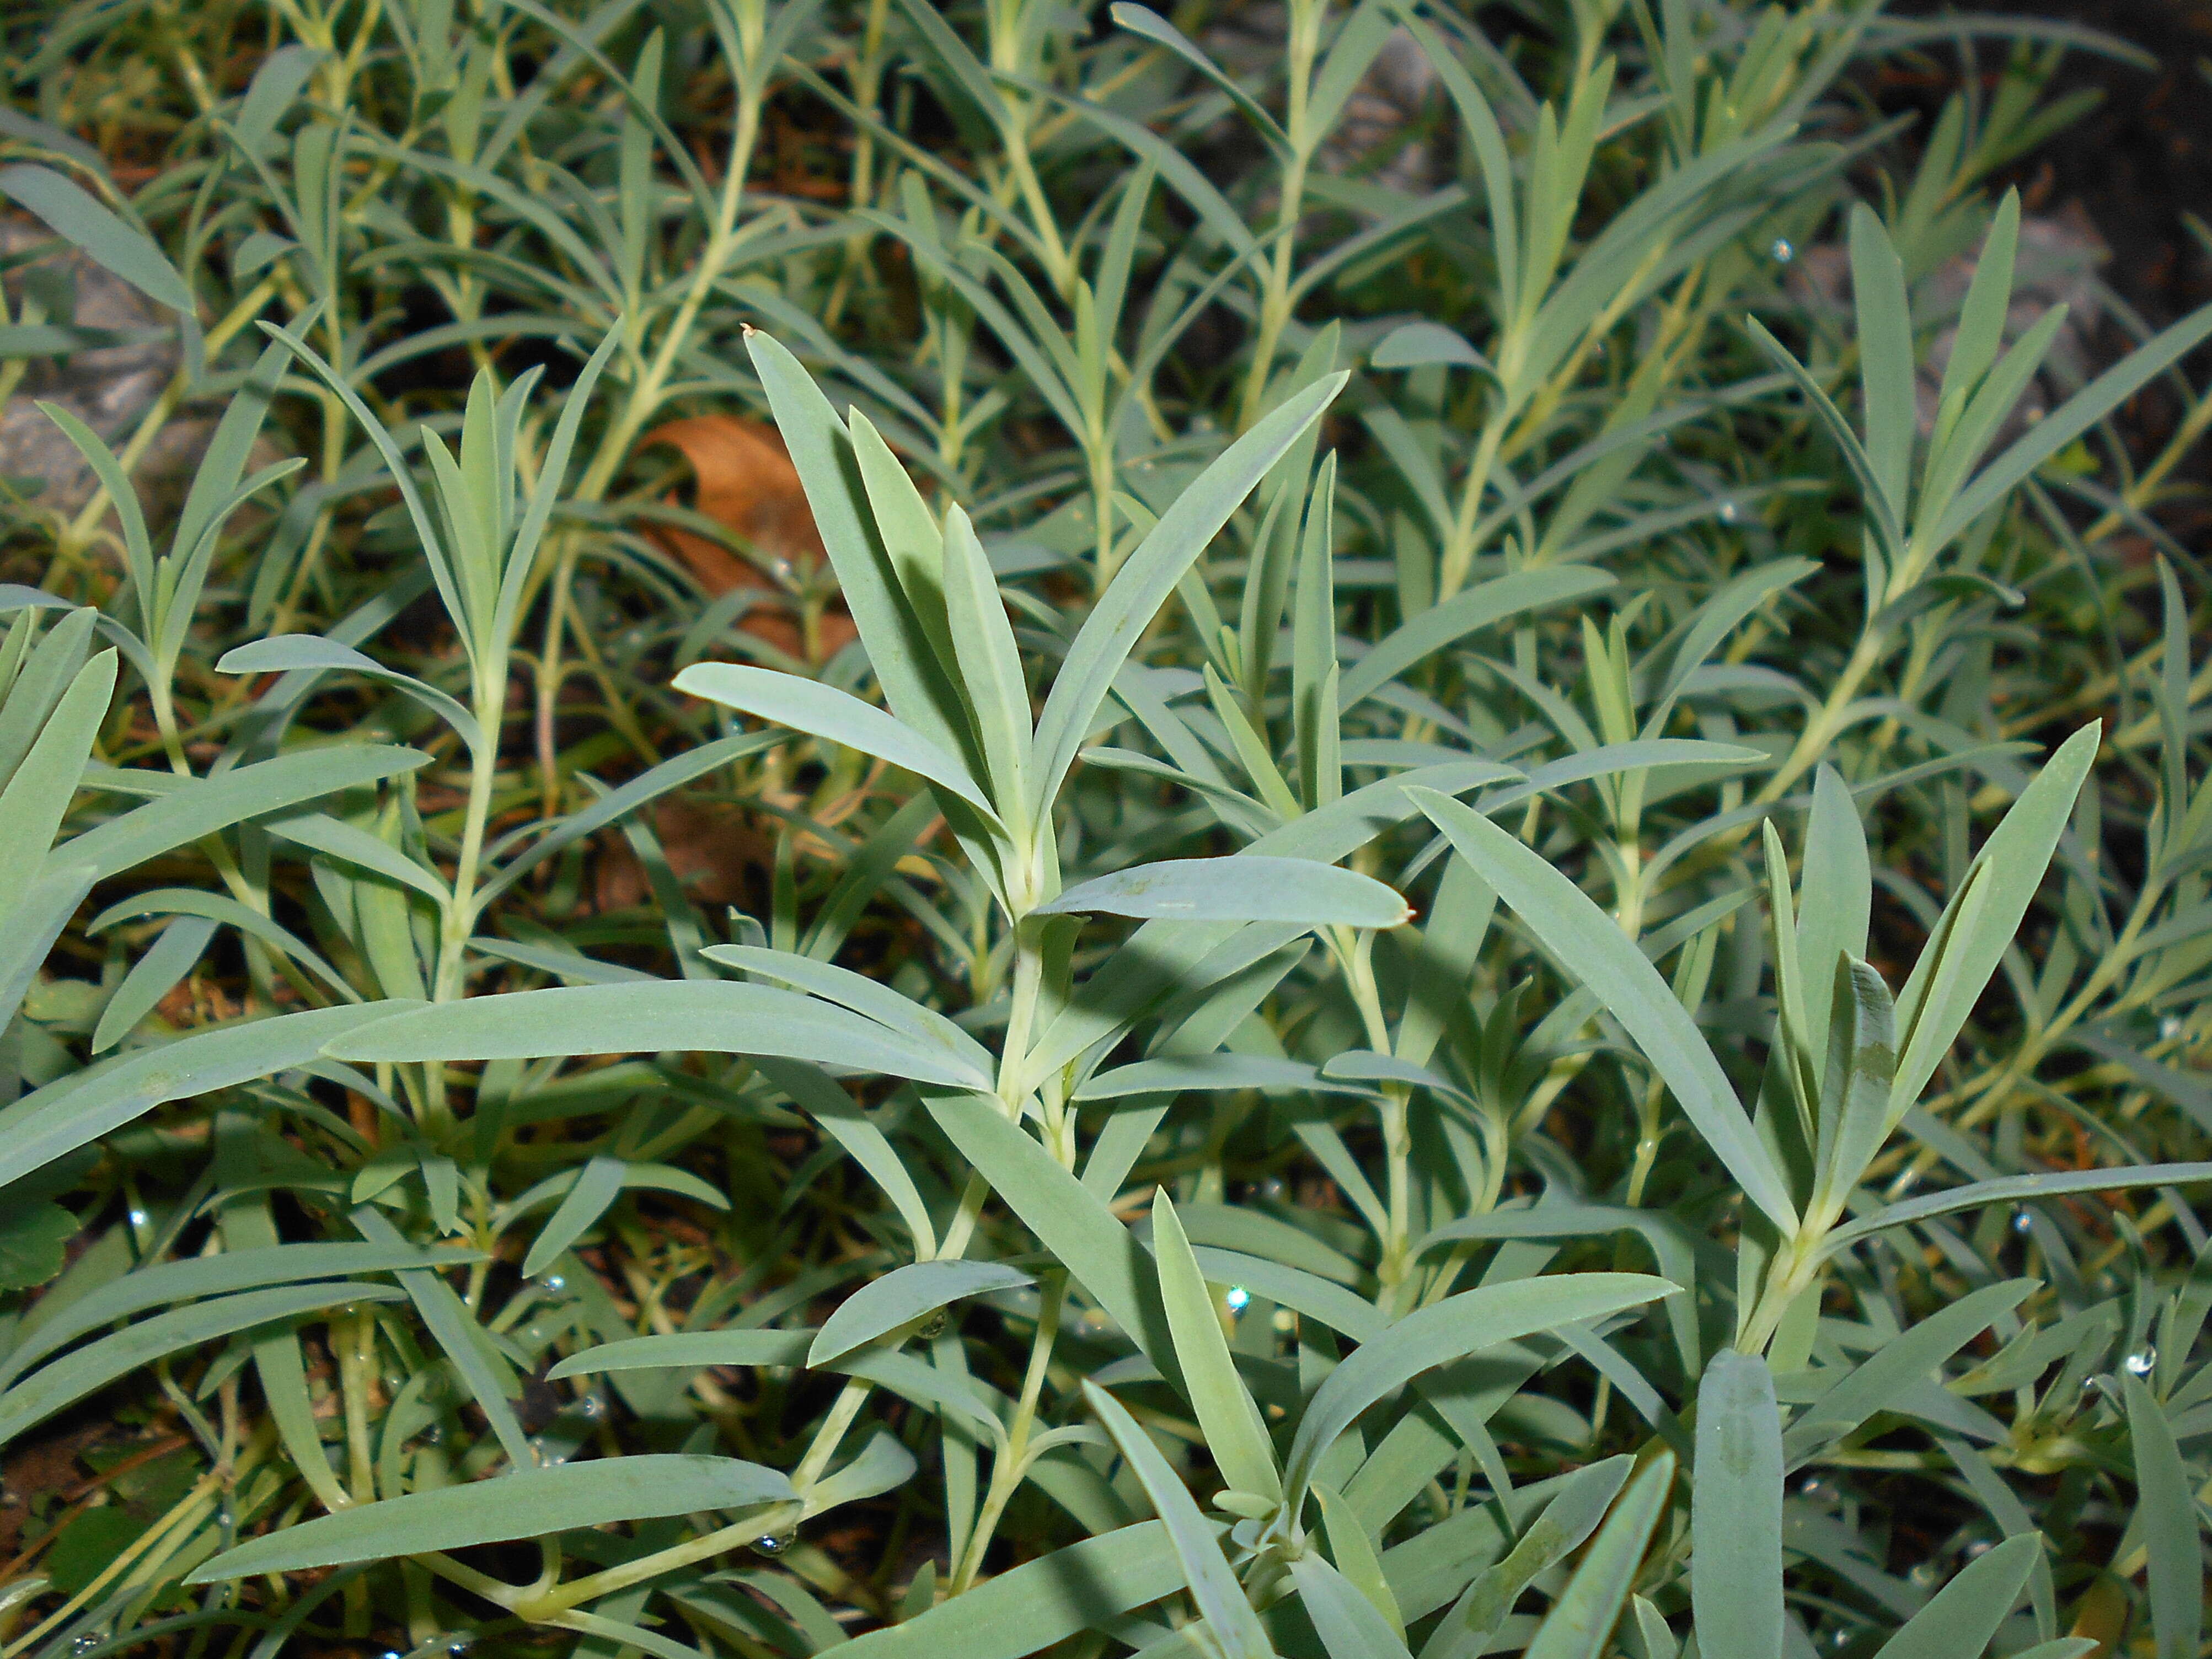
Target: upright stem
<point>461,906</point>
<point>1276,298</point>
<point>1013,1461</point>
<point>647,391</point>
<point>1357,953</point>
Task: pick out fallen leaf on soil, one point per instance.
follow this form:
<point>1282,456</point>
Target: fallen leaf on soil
<point>715,848</point>
<point>747,485</point>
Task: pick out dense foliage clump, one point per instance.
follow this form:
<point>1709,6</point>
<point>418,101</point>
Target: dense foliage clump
<point>1328,829</point>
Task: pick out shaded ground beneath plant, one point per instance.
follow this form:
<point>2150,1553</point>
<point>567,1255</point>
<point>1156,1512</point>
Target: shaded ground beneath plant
<point>2141,160</point>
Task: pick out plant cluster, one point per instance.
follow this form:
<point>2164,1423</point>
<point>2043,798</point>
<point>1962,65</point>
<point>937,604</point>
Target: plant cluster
<point>1444,920</point>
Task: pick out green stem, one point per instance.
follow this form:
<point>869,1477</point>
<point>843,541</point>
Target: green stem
<point>1013,1463</point>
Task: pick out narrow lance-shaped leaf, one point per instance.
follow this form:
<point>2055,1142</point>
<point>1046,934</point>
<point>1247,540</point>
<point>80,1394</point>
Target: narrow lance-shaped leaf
<point>1983,917</point>
<point>1451,1329</point>
<point>1862,1062</point>
<point>1574,1512</point>
<point>899,647</point>
<point>1875,496</point>
<point>1606,962</point>
<point>526,1503</point>
<point>903,1296</point>
<point>2014,1189</point>
<point>38,797</point>
<point>77,1375</point>
<point>1735,1511</point>
<point>1245,887</point>
<point>1968,1612</point>
<point>1143,584</point>
<point>289,652</point>
<point>824,711</point>
<point>2165,1490</point>
<point>698,1016</point>
<point>1235,1432</point>
<point>75,1110</point>
<point>990,665</point>
<point>1038,1603</point>
<point>1885,372</point>
<point>1835,900</point>
<point>1580,1624</point>
<point>105,239</point>
<point>1349,1624</point>
<point>1234,1626</point>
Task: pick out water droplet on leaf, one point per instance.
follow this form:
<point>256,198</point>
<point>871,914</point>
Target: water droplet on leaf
<point>1238,1298</point>
<point>2140,1364</point>
<point>774,1543</point>
<point>1782,252</point>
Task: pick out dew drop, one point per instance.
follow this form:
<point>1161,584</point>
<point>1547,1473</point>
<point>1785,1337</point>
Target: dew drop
<point>460,1643</point>
<point>1729,513</point>
<point>591,1407</point>
<point>2140,1364</point>
<point>553,1283</point>
<point>1925,1576</point>
<point>1272,1188</point>
<point>774,1543</point>
<point>1978,1549</point>
<point>2022,1221</point>
<point>1782,252</point>
<point>2169,1027</point>
<point>84,1645</point>
<point>138,1218</point>
<point>1238,1298</point>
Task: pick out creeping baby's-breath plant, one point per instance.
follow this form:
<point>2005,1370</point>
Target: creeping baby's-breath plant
<point>1494,940</point>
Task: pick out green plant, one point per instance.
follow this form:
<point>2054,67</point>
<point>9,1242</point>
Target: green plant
<point>1470,977</point>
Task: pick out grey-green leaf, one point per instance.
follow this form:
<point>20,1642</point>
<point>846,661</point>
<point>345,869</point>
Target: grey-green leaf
<point>824,711</point>
<point>1735,1511</point>
<point>526,1503</point>
<point>2165,1493</point>
<point>904,1295</point>
<point>1605,961</point>
<point>1232,1624</point>
<point>103,238</point>
<point>1965,1612</point>
<point>1451,1329</point>
<point>694,1015</point>
<point>1244,887</point>
<point>1581,1621</point>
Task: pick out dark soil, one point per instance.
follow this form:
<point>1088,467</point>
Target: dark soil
<point>2144,158</point>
